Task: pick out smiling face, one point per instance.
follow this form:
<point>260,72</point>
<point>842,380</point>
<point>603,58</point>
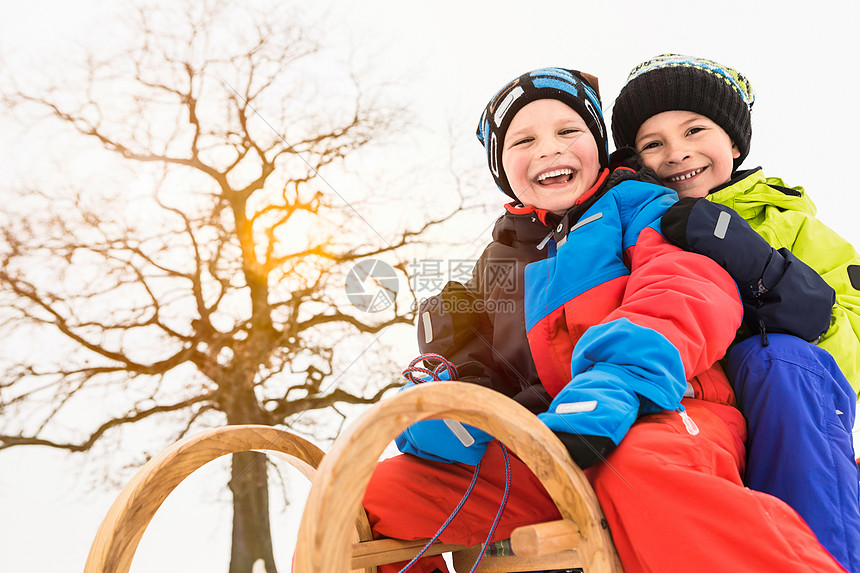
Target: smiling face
<point>690,153</point>
<point>550,157</point>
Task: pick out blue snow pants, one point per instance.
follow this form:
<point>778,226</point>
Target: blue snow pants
<point>800,412</point>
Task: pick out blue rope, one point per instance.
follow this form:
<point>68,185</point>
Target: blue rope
<point>447,521</point>
<point>434,375</point>
<point>501,508</point>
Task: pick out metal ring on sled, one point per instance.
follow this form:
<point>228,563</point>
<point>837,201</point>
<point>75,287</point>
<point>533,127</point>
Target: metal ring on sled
<point>324,543</point>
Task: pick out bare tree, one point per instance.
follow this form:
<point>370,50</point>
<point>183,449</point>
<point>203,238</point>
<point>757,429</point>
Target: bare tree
<point>217,295</point>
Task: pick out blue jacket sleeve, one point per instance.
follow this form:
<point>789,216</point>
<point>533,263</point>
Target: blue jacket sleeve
<point>613,365</point>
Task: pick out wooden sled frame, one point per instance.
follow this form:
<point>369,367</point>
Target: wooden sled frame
<point>122,528</point>
<point>342,477</point>
<point>334,519</point>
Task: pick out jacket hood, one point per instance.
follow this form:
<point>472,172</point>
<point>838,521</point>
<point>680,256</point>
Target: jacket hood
<point>749,192</point>
<point>523,225</point>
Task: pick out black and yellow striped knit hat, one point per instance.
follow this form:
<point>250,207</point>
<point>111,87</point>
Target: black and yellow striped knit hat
<point>672,82</point>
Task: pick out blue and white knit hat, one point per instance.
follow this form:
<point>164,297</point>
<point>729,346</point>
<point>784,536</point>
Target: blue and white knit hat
<point>576,89</point>
<point>674,82</point>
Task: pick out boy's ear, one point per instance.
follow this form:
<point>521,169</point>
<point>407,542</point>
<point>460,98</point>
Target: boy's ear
<point>592,80</point>
<point>735,151</point>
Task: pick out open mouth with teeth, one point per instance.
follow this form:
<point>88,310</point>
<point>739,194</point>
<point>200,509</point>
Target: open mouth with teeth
<point>684,176</point>
<point>555,176</point>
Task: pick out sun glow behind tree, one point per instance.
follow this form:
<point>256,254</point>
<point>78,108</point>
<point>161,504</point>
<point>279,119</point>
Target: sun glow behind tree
<point>191,271</point>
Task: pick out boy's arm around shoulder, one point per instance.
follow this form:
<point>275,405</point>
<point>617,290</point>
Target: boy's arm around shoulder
<point>779,291</point>
<point>685,296</point>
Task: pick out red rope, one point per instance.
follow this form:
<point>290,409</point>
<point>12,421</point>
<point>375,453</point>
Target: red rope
<point>434,375</point>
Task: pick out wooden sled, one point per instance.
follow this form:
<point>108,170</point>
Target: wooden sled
<point>334,536</point>
<point>581,539</point>
<point>122,529</point>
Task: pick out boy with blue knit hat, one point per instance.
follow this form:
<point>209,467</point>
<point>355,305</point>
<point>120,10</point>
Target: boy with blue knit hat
<point>597,328</point>
<point>796,368</point>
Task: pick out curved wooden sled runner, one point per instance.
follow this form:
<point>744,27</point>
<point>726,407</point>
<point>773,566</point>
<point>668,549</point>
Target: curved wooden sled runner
<point>580,539</point>
<point>122,529</point>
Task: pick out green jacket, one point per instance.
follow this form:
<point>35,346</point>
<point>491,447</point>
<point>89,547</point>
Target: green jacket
<point>785,217</point>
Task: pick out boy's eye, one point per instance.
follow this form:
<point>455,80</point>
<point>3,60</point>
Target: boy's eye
<point>570,130</point>
<point>694,130</point>
<point>521,141</point>
<point>649,145</point>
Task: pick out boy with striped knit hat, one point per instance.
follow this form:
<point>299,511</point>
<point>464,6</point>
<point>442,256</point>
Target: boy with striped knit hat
<point>796,364</point>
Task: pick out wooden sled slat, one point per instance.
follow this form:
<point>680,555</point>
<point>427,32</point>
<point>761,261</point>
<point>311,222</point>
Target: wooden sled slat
<point>463,561</point>
<point>380,551</point>
<point>545,538</point>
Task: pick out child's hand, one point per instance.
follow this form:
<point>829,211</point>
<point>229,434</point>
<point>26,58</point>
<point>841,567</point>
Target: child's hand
<point>436,440</point>
<point>591,415</point>
<point>779,291</point>
<point>440,440</point>
<point>718,232</point>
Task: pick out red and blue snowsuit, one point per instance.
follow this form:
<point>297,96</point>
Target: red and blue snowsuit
<point>621,331</point>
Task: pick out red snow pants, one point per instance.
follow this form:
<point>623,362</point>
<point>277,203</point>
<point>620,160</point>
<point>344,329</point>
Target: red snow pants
<point>410,498</point>
<point>674,501</point>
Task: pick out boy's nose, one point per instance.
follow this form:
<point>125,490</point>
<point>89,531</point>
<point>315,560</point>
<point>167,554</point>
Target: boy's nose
<point>551,147</point>
<point>676,153</point>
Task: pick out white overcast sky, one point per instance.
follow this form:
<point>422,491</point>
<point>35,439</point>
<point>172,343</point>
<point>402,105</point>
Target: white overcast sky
<point>802,59</point>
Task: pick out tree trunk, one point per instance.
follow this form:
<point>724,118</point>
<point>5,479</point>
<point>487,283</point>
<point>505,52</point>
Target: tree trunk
<point>252,537</point>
